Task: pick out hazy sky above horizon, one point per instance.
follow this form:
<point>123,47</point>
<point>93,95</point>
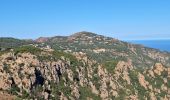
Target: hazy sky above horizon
<point>122,19</point>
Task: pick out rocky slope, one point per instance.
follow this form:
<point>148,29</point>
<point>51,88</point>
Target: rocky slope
<point>46,74</point>
<point>41,39</point>
<point>73,71</point>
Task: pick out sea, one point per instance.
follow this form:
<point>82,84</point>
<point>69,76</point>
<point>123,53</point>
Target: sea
<point>162,45</point>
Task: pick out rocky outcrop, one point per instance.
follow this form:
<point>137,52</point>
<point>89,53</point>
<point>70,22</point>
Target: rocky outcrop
<point>122,69</point>
<point>26,75</point>
<point>42,39</point>
<point>158,68</point>
<point>6,96</point>
<point>142,81</point>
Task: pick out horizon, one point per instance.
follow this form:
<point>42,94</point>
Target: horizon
<point>128,40</point>
<point>123,20</point>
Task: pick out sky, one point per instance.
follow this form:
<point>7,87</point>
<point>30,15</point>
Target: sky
<point>122,19</point>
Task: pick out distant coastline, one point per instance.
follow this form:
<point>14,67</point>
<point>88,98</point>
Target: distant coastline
<point>163,45</point>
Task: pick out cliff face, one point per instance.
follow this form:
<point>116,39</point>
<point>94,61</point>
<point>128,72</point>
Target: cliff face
<point>51,75</point>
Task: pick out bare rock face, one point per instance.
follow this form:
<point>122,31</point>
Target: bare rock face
<point>152,96</point>
<point>70,74</point>
<point>122,68</point>
<point>41,39</point>
<point>158,68</point>
<point>62,97</point>
<point>26,75</point>
<point>93,88</point>
<point>151,73</point>
<point>104,93</point>
<point>26,72</point>
<point>6,96</point>
<point>5,83</point>
<point>142,81</point>
<point>75,91</point>
<point>133,97</point>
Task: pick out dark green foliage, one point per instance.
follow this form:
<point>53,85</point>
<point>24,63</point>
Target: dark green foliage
<point>164,74</point>
<point>37,92</point>
<point>12,43</point>
<point>3,52</point>
<point>162,94</point>
<point>155,82</point>
<point>86,92</point>
<point>110,66</point>
<point>46,58</point>
<point>59,54</point>
<point>25,95</point>
<point>131,88</point>
<point>14,90</point>
<point>121,47</point>
<point>29,49</point>
<point>21,65</point>
<point>168,83</point>
<point>95,79</point>
<point>57,88</point>
<point>6,68</point>
<point>122,94</point>
<point>133,74</point>
<point>66,90</point>
<point>159,81</point>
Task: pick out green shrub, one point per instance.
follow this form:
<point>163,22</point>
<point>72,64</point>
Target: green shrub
<point>133,74</point>
<point>6,68</point>
<point>14,89</point>
<point>25,94</point>
<point>57,88</point>
<point>86,92</point>
<point>122,95</point>
<point>26,49</point>
<point>110,66</point>
<point>21,65</point>
<point>96,79</point>
<point>37,92</point>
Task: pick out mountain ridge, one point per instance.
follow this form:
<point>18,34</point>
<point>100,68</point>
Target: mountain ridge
<point>93,44</point>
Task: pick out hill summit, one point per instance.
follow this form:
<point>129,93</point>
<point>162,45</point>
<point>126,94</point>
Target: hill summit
<point>84,33</point>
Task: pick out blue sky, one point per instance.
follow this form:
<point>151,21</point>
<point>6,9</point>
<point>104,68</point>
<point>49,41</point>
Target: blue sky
<point>123,19</point>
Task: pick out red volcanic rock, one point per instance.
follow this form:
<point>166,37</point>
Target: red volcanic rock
<point>41,39</point>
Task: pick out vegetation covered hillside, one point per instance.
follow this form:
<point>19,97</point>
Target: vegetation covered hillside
<point>12,42</point>
<point>83,66</point>
<point>104,49</point>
